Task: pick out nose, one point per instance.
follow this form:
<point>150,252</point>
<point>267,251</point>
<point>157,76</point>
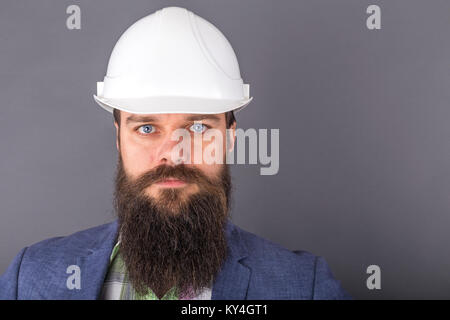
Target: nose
<point>169,150</point>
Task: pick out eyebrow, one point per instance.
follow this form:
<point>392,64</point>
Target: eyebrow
<point>134,118</point>
<point>195,117</point>
<point>203,116</point>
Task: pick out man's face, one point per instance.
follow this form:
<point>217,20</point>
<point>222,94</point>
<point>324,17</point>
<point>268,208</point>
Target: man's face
<point>172,232</point>
<point>146,141</point>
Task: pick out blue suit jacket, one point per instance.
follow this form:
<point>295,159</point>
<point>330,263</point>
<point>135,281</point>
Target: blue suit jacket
<point>254,269</point>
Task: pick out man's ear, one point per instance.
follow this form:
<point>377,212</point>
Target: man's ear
<point>117,135</point>
<point>231,131</point>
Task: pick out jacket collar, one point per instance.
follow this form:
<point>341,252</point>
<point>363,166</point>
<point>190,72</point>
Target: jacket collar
<point>94,256</point>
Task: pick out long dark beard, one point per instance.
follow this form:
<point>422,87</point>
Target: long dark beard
<point>173,240</point>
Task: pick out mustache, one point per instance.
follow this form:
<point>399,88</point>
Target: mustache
<point>180,172</point>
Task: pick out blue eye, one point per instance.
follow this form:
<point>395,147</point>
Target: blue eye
<point>198,127</point>
<point>148,128</point>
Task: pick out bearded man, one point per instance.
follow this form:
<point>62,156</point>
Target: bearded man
<point>170,72</point>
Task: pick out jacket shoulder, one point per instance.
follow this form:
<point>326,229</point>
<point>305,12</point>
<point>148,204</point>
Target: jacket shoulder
<point>76,242</point>
<point>265,251</point>
<point>285,274</point>
<point>36,266</point>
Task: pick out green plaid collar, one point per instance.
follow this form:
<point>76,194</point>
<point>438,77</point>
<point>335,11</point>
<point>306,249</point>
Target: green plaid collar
<point>118,286</point>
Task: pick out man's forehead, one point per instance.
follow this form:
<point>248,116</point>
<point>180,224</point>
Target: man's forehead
<point>133,118</point>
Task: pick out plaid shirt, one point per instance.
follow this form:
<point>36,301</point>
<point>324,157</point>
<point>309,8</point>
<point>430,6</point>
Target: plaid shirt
<point>118,287</point>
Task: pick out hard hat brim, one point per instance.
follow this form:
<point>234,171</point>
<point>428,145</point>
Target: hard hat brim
<point>159,105</point>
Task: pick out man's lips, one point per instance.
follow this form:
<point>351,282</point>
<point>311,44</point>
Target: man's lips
<point>171,183</point>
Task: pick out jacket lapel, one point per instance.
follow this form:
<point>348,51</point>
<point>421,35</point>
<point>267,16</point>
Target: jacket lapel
<point>92,257</point>
<point>96,263</point>
<point>232,281</point>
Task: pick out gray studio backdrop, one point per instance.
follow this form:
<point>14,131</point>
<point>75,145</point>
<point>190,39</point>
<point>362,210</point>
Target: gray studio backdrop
<point>363,114</point>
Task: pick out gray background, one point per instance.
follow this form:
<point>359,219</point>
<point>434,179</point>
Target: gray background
<point>363,116</point>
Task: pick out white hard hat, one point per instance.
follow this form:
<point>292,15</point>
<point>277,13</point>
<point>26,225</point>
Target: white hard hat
<point>173,61</point>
